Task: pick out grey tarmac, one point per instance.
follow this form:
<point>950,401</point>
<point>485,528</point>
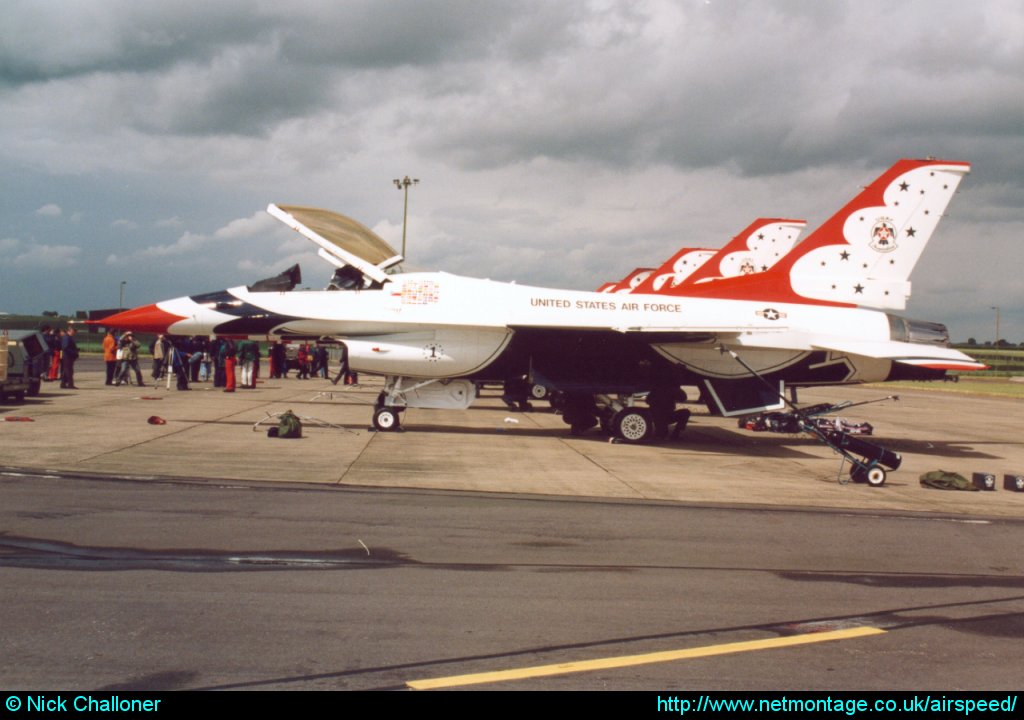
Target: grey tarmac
<point>103,431</point>
<point>201,554</point>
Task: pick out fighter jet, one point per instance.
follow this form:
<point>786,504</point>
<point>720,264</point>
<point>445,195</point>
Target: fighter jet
<point>755,249</point>
<point>627,284</point>
<point>435,336</point>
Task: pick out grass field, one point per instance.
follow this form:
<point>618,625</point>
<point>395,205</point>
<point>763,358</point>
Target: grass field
<point>967,385</point>
<point>1002,362</point>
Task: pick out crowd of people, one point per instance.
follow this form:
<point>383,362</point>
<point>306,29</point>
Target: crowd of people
<point>228,363</point>
<point>58,362</point>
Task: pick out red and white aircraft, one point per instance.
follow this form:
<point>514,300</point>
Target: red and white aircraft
<point>755,249</point>
<point>434,336</point>
<point>627,284</point>
<point>758,247</point>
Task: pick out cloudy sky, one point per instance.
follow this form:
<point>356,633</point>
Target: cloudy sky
<point>557,143</point>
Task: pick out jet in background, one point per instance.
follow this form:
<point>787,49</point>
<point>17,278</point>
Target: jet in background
<point>755,249</point>
<point>627,284</point>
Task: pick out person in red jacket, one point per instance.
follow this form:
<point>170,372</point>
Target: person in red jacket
<point>229,366</point>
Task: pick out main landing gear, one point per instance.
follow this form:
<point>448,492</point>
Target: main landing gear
<point>625,421</point>
<point>633,424</point>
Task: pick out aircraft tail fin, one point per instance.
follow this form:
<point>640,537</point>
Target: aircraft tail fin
<point>755,249</point>
<point>864,254</point>
<point>674,270</point>
<point>629,283</point>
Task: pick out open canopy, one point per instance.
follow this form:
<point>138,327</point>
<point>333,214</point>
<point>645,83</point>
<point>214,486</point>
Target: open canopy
<point>342,240</point>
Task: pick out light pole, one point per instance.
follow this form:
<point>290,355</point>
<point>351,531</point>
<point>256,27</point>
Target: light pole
<point>996,343</point>
<point>404,184</point>
<point>120,298</point>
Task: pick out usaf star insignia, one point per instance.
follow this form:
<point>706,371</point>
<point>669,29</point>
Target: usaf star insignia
<point>770,314</point>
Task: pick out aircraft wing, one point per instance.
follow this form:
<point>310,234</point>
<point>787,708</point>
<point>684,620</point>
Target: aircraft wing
<point>341,239</point>
<point>917,354</point>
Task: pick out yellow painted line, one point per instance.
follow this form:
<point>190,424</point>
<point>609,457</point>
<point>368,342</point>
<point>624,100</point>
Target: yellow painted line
<point>646,659</point>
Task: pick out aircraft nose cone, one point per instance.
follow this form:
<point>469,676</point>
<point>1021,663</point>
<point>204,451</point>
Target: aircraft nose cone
<point>148,318</point>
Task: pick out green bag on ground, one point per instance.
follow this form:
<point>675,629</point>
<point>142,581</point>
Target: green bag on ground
<point>289,425</point>
<point>945,480</point>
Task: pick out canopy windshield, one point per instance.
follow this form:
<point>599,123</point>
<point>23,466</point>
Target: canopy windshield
<point>347,240</point>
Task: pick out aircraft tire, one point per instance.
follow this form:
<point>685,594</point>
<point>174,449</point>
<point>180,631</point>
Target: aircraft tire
<point>875,477</point>
<point>633,425</point>
<point>538,392</point>
<point>386,419</point>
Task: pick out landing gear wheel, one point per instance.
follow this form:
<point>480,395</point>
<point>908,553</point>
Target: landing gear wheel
<point>538,392</point>
<point>633,425</point>
<point>875,477</point>
<point>386,419</point>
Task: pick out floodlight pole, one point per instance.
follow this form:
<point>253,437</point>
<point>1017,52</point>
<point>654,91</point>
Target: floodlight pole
<point>996,343</point>
<point>404,184</point>
<point>120,298</point>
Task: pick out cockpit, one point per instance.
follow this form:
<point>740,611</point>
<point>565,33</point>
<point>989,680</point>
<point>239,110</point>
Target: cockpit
<point>362,259</point>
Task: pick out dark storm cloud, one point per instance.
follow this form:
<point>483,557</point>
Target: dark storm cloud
<point>371,34</point>
<point>558,143</point>
<point>768,88</point>
<point>243,67</point>
<point>43,40</point>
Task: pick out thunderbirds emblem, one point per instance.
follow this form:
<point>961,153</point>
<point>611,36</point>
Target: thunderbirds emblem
<point>883,235</point>
<point>747,268</point>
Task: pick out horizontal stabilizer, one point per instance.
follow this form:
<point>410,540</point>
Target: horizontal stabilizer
<point>917,354</point>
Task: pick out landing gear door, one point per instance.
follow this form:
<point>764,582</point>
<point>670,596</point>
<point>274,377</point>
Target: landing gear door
<point>742,397</point>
